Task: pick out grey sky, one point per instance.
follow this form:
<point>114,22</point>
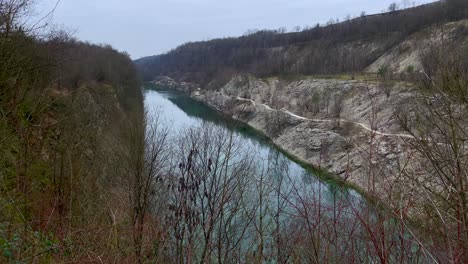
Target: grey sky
<point>149,27</point>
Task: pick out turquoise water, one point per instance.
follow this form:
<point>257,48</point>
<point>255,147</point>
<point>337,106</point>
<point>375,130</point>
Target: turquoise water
<point>334,211</point>
<point>181,112</point>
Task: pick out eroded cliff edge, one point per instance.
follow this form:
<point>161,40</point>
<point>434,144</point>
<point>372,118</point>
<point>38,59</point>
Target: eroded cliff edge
<point>348,128</point>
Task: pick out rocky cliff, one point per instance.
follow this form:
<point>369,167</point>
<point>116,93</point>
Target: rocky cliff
<point>347,128</point>
<point>345,124</point>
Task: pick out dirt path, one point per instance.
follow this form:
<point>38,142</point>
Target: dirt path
<point>362,125</point>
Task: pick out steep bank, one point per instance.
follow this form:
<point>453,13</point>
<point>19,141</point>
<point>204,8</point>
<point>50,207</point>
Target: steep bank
<point>335,132</point>
<point>347,124</point>
<point>64,150</point>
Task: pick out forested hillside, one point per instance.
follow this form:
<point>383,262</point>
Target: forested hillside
<point>65,111</point>
<point>337,47</point>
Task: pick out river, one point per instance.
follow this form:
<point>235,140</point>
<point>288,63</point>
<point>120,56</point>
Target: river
<point>303,210</point>
<point>181,111</point>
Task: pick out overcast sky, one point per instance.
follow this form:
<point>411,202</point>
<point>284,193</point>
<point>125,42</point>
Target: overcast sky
<point>149,27</point>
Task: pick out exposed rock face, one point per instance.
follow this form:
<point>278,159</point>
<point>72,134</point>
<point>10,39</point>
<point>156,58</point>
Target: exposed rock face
<point>172,84</point>
<point>326,123</point>
<point>408,53</point>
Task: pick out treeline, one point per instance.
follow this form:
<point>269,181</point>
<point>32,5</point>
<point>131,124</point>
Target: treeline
<point>65,106</point>
<point>79,63</point>
<point>349,47</point>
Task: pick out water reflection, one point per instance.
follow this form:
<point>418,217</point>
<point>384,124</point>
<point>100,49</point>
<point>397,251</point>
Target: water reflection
<point>183,112</point>
<point>277,208</point>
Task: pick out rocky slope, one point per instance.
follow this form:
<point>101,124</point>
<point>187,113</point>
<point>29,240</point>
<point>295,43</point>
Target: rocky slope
<point>408,53</point>
<point>348,127</point>
<point>333,125</point>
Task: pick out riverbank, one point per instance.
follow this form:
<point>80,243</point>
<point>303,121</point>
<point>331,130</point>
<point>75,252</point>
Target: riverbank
<point>346,151</point>
<point>300,189</point>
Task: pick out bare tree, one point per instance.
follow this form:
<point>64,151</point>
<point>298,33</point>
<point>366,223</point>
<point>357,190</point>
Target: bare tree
<point>440,136</point>
<point>208,193</point>
<point>146,161</point>
<point>12,14</point>
<point>385,83</point>
<point>393,7</point>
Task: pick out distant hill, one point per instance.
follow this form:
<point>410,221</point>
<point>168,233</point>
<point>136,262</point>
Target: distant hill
<point>351,46</point>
